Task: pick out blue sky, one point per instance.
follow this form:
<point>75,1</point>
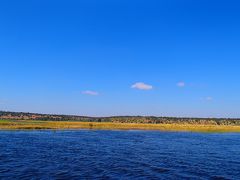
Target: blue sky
<point>103,58</point>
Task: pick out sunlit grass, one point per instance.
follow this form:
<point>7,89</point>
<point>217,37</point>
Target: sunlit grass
<point>29,124</point>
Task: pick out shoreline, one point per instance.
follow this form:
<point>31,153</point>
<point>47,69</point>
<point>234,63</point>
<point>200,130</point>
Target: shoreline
<point>72,125</point>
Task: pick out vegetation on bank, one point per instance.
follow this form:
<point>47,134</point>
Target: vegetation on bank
<point>119,119</point>
<point>58,125</point>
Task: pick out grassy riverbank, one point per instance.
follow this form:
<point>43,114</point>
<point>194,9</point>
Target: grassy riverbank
<point>58,125</point>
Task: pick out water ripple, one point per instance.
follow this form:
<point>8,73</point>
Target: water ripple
<point>118,155</point>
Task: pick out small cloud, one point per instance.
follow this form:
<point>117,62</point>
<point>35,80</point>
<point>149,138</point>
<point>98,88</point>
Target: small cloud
<point>91,93</point>
<point>209,98</point>
<point>142,86</point>
<point>181,84</point>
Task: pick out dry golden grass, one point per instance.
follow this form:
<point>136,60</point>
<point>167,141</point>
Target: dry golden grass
<point>31,125</point>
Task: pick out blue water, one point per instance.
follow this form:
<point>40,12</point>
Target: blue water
<point>88,154</point>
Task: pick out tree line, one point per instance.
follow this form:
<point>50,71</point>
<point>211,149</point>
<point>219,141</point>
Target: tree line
<point>118,119</point>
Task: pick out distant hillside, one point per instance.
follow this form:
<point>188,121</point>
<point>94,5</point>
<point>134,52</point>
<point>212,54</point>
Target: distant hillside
<point>121,119</point>
<point>36,116</point>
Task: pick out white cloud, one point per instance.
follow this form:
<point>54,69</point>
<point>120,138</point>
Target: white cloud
<point>142,86</point>
<point>209,98</point>
<point>181,84</point>
<point>91,93</point>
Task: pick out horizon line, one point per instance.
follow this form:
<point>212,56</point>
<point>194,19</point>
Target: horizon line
<point>86,116</point>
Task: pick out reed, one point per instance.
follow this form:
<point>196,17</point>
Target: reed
<point>58,125</point>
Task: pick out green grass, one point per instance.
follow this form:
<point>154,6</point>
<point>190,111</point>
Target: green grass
<point>55,125</point>
<point>3,121</point>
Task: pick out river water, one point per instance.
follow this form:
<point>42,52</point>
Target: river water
<point>90,154</point>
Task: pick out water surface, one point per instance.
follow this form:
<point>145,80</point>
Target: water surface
<point>93,154</point>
